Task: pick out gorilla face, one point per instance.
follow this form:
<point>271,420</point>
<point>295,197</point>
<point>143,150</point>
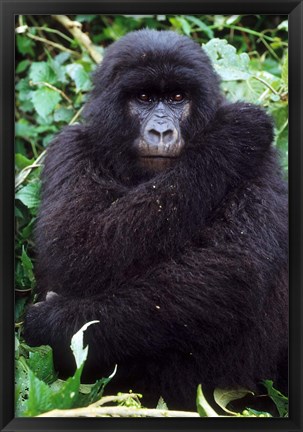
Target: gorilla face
<point>160,113</point>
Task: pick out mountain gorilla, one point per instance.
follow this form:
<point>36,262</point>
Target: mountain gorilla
<point>164,216</point>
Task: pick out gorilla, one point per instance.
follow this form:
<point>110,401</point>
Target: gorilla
<point>164,216</point>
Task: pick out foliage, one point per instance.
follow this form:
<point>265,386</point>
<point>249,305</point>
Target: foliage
<point>37,388</point>
<point>53,76</point>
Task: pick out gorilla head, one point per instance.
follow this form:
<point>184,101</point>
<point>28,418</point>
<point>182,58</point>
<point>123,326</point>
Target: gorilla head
<point>150,78</point>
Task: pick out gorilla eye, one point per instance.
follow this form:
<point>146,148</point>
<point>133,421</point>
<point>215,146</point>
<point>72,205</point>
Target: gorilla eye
<point>144,97</point>
<point>177,97</point>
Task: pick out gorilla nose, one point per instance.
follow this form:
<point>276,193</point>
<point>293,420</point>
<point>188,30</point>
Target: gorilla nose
<point>161,133</point>
<point>155,136</point>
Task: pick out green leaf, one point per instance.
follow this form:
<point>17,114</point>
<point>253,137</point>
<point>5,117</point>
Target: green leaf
<point>41,72</point>
<point>27,231</point>
<point>39,396</point>
<point>18,213</point>
<point>22,66</point>
<point>79,352</point>
<point>22,161</point>
<point>17,344</point>
<point>24,89</point>
<point>27,266</point>
<point>95,392</point>
<point>85,18</point>
<point>224,397</point>
<point>229,65</point>
<point>25,45</point>
<point>285,69</point>
<point>29,195</point>
<point>280,114</point>
<point>59,71</point>
<point>181,24</point>
<point>45,101</point>
<point>41,363</point>
<point>24,129</point>
<point>161,405</point>
<point>79,76</point>
<point>62,57</point>
<point>63,115</point>
<point>21,387</point>
<point>203,407</point>
<point>249,412</point>
<point>233,19</point>
<point>19,308</point>
<point>201,25</point>
<point>279,399</point>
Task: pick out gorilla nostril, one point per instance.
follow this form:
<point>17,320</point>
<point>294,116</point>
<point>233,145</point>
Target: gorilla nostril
<point>154,137</point>
<point>168,136</point>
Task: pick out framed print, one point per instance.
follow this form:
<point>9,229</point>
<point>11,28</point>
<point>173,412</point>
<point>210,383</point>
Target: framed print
<point>151,217</point>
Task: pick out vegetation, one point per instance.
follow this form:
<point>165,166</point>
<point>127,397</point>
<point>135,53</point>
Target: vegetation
<point>55,58</point>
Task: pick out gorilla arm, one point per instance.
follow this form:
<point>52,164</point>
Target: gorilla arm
<point>110,230</point>
<point>206,295</point>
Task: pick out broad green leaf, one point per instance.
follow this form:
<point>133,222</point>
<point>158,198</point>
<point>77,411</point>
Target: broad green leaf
<point>41,363</point>
<point>41,72</point>
<point>24,90</point>
<point>39,396</point>
<point>224,397</point>
<point>59,71</point>
<point>22,161</point>
<point>80,352</point>
<point>229,65</point>
<point>279,399</point>
<point>280,114</point>
<point>203,407</point>
<point>24,129</point>
<point>25,45</point>
<point>45,100</point>
<point>69,395</point>
<point>79,76</point>
<point>63,115</point>
<point>29,195</point>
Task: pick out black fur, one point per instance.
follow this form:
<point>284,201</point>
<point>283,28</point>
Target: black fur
<point>185,269</point>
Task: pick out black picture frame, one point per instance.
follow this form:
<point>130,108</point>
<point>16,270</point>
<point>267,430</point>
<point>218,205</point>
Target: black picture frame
<point>8,10</point>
